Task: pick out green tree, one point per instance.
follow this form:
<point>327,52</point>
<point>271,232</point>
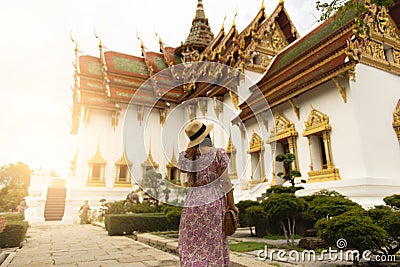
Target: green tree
<point>285,207</point>
<point>289,174</point>
<point>332,7</point>
<point>393,201</point>
<point>153,185</point>
<point>321,206</point>
<point>15,174</point>
<point>14,183</point>
<point>359,231</point>
<point>389,220</point>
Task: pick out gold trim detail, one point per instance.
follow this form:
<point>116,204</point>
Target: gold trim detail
<point>203,106</point>
<point>114,119</point>
<point>218,105</point>
<point>140,114</point>
<point>295,108</point>
<point>282,129</point>
<point>324,175</point>
<point>163,116</point>
<point>317,122</point>
<point>396,120</point>
<point>172,166</point>
<point>97,158</point>
<point>341,90</point>
<point>231,152</point>
<point>123,161</point>
<point>256,144</point>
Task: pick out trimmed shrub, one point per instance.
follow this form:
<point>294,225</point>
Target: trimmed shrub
<point>242,206</point>
<point>141,208</point>
<point>13,234</point>
<point>126,224</point>
<point>174,216</point>
<point>256,216</point>
<point>116,207</point>
<point>13,217</point>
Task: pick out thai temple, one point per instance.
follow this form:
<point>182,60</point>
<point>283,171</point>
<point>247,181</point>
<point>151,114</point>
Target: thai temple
<point>331,98</point>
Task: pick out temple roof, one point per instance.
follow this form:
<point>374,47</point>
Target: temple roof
<point>316,58</point>
<point>200,34</point>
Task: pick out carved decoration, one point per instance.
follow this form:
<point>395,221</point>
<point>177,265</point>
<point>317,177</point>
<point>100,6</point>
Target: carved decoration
<point>73,162</point>
<point>163,116</point>
<point>256,144</point>
<point>295,108</point>
<point>282,129</point>
<point>97,158</point>
<point>203,105</point>
<point>341,90</point>
<point>149,163</point>
<point>140,114</point>
<point>191,108</point>
<point>396,120</point>
<point>218,105</point>
<point>231,152</point>
<point>235,99</point>
<point>317,122</point>
<point>114,119</point>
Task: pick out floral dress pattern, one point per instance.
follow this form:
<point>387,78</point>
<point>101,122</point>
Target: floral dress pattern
<point>202,240</point>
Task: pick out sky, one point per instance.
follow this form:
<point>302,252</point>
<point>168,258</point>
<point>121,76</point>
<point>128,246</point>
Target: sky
<point>36,58</point>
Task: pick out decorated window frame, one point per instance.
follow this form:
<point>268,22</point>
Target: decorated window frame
<point>123,177</point>
<point>256,152</point>
<point>97,169</point>
<point>231,152</point>
<point>173,173</point>
<point>318,132</point>
<point>282,134</point>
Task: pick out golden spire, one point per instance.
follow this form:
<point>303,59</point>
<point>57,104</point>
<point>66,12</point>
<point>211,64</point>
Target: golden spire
<point>234,18</point>
<point>223,23</point>
<point>281,2</point>
<point>98,38</point>
<point>262,5</point>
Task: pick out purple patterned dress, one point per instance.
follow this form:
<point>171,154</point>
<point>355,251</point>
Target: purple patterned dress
<point>202,240</point>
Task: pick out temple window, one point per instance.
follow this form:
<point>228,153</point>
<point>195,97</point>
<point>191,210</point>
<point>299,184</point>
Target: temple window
<point>173,173</point>
<point>149,164</point>
<point>97,167</point>
<point>256,152</point>
<point>231,152</point>
<point>123,175</point>
<point>283,140</point>
<point>318,131</point>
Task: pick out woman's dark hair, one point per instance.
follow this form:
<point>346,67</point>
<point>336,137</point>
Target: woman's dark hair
<point>193,154</point>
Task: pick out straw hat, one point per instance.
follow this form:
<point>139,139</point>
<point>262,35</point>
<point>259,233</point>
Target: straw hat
<point>197,131</point>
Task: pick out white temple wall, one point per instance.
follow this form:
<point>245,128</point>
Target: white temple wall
<point>375,95</point>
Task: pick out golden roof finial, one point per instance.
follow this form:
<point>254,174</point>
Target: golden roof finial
<point>159,38</point>
<point>73,40</point>
<point>98,38</point>
<point>223,23</point>
<point>262,5</point>
<point>234,18</point>
<point>141,41</point>
<point>281,2</point>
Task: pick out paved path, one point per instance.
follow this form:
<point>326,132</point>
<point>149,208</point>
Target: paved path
<point>88,246</point>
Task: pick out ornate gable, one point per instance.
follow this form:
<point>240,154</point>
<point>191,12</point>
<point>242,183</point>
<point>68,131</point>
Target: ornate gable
<point>317,122</point>
<point>256,143</point>
<point>282,129</point>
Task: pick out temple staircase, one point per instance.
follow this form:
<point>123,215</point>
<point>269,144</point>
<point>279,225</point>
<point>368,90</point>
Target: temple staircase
<point>55,203</point>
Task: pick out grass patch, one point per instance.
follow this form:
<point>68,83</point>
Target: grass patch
<point>280,237</point>
<point>248,246</point>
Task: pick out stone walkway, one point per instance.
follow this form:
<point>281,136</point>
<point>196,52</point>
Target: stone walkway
<point>88,246</point>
